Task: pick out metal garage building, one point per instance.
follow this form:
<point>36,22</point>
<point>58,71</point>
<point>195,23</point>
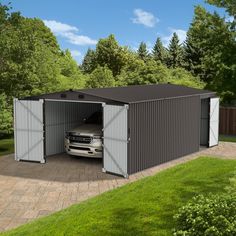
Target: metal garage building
<point>143,126</point>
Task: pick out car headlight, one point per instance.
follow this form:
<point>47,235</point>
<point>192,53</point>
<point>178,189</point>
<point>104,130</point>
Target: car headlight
<point>97,139</point>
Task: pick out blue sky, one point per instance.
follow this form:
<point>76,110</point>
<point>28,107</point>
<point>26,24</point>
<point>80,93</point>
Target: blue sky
<point>79,24</point>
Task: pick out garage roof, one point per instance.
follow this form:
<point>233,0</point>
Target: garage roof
<point>136,93</point>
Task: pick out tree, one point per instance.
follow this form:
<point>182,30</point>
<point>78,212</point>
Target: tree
<point>142,51</point>
<point>70,75</point>
<point>180,76</point>
<point>6,119</point>
<point>212,55</point>
<point>229,5</point>
<point>31,61</point>
<point>192,54</point>
<point>108,52</point>
<point>101,77</point>
<point>159,52</point>
<point>175,57</point>
<point>28,52</point>
<point>89,62</point>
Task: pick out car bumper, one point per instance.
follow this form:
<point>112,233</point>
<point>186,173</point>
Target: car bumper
<point>83,150</point>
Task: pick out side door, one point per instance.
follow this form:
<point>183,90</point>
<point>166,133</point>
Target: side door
<point>214,122</point>
<point>29,130</point>
<point>115,139</point>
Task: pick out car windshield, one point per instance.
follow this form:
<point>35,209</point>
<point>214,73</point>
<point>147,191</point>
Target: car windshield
<point>95,118</point>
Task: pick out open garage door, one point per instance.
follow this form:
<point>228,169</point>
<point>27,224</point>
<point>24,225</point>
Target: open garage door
<point>214,122</point>
<point>115,139</point>
<point>29,130</point>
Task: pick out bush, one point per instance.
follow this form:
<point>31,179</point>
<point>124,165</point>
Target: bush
<point>6,116</point>
<point>214,215</point>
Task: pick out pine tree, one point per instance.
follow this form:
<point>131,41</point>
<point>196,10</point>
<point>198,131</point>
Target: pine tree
<point>175,49</point>
<point>159,51</point>
<point>89,62</point>
<point>192,55</point>
<point>142,51</point>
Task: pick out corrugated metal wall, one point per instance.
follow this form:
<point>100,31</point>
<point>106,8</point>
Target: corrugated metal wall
<point>162,130</point>
<point>115,139</point>
<point>61,117</point>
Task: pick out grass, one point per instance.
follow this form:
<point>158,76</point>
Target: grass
<point>145,207</point>
<point>6,146</point>
<point>227,138</point>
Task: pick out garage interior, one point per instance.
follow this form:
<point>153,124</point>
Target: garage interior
<point>204,127</point>
<point>61,117</point>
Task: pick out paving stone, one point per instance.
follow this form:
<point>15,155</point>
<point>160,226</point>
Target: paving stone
<point>31,190</point>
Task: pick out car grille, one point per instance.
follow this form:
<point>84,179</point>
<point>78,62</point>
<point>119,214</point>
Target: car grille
<point>80,139</point>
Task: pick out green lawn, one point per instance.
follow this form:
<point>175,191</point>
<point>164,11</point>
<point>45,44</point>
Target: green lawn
<point>145,207</point>
<point>6,146</point>
<point>227,138</point>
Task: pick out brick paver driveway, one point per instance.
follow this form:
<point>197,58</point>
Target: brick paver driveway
<point>31,190</point>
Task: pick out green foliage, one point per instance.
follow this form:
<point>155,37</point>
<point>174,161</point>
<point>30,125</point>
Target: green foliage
<point>214,215</point>
<point>101,77</point>
<point>31,61</point>
<point>70,76</point>
<point>159,52</point>
<point>143,52</point>
<point>6,119</point>
<point>89,62</point>
<point>153,72</point>
<point>211,48</point>
<point>110,54</point>
<point>230,5</point>
<point>180,76</point>
<point>175,55</point>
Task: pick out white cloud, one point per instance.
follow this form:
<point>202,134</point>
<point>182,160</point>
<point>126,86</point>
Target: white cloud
<point>181,34</point>
<point>69,32</point>
<point>79,39</point>
<point>58,27</point>
<point>144,18</point>
<point>75,53</point>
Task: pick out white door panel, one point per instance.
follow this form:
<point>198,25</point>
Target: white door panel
<point>115,139</point>
<point>214,122</point>
<point>29,130</point>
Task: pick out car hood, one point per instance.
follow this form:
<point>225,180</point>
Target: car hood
<point>89,129</point>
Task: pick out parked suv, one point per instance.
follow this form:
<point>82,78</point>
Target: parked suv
<point>86,139</point>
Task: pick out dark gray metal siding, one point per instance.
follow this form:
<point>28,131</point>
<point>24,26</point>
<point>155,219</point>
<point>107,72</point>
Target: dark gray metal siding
<point>162,130</point>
